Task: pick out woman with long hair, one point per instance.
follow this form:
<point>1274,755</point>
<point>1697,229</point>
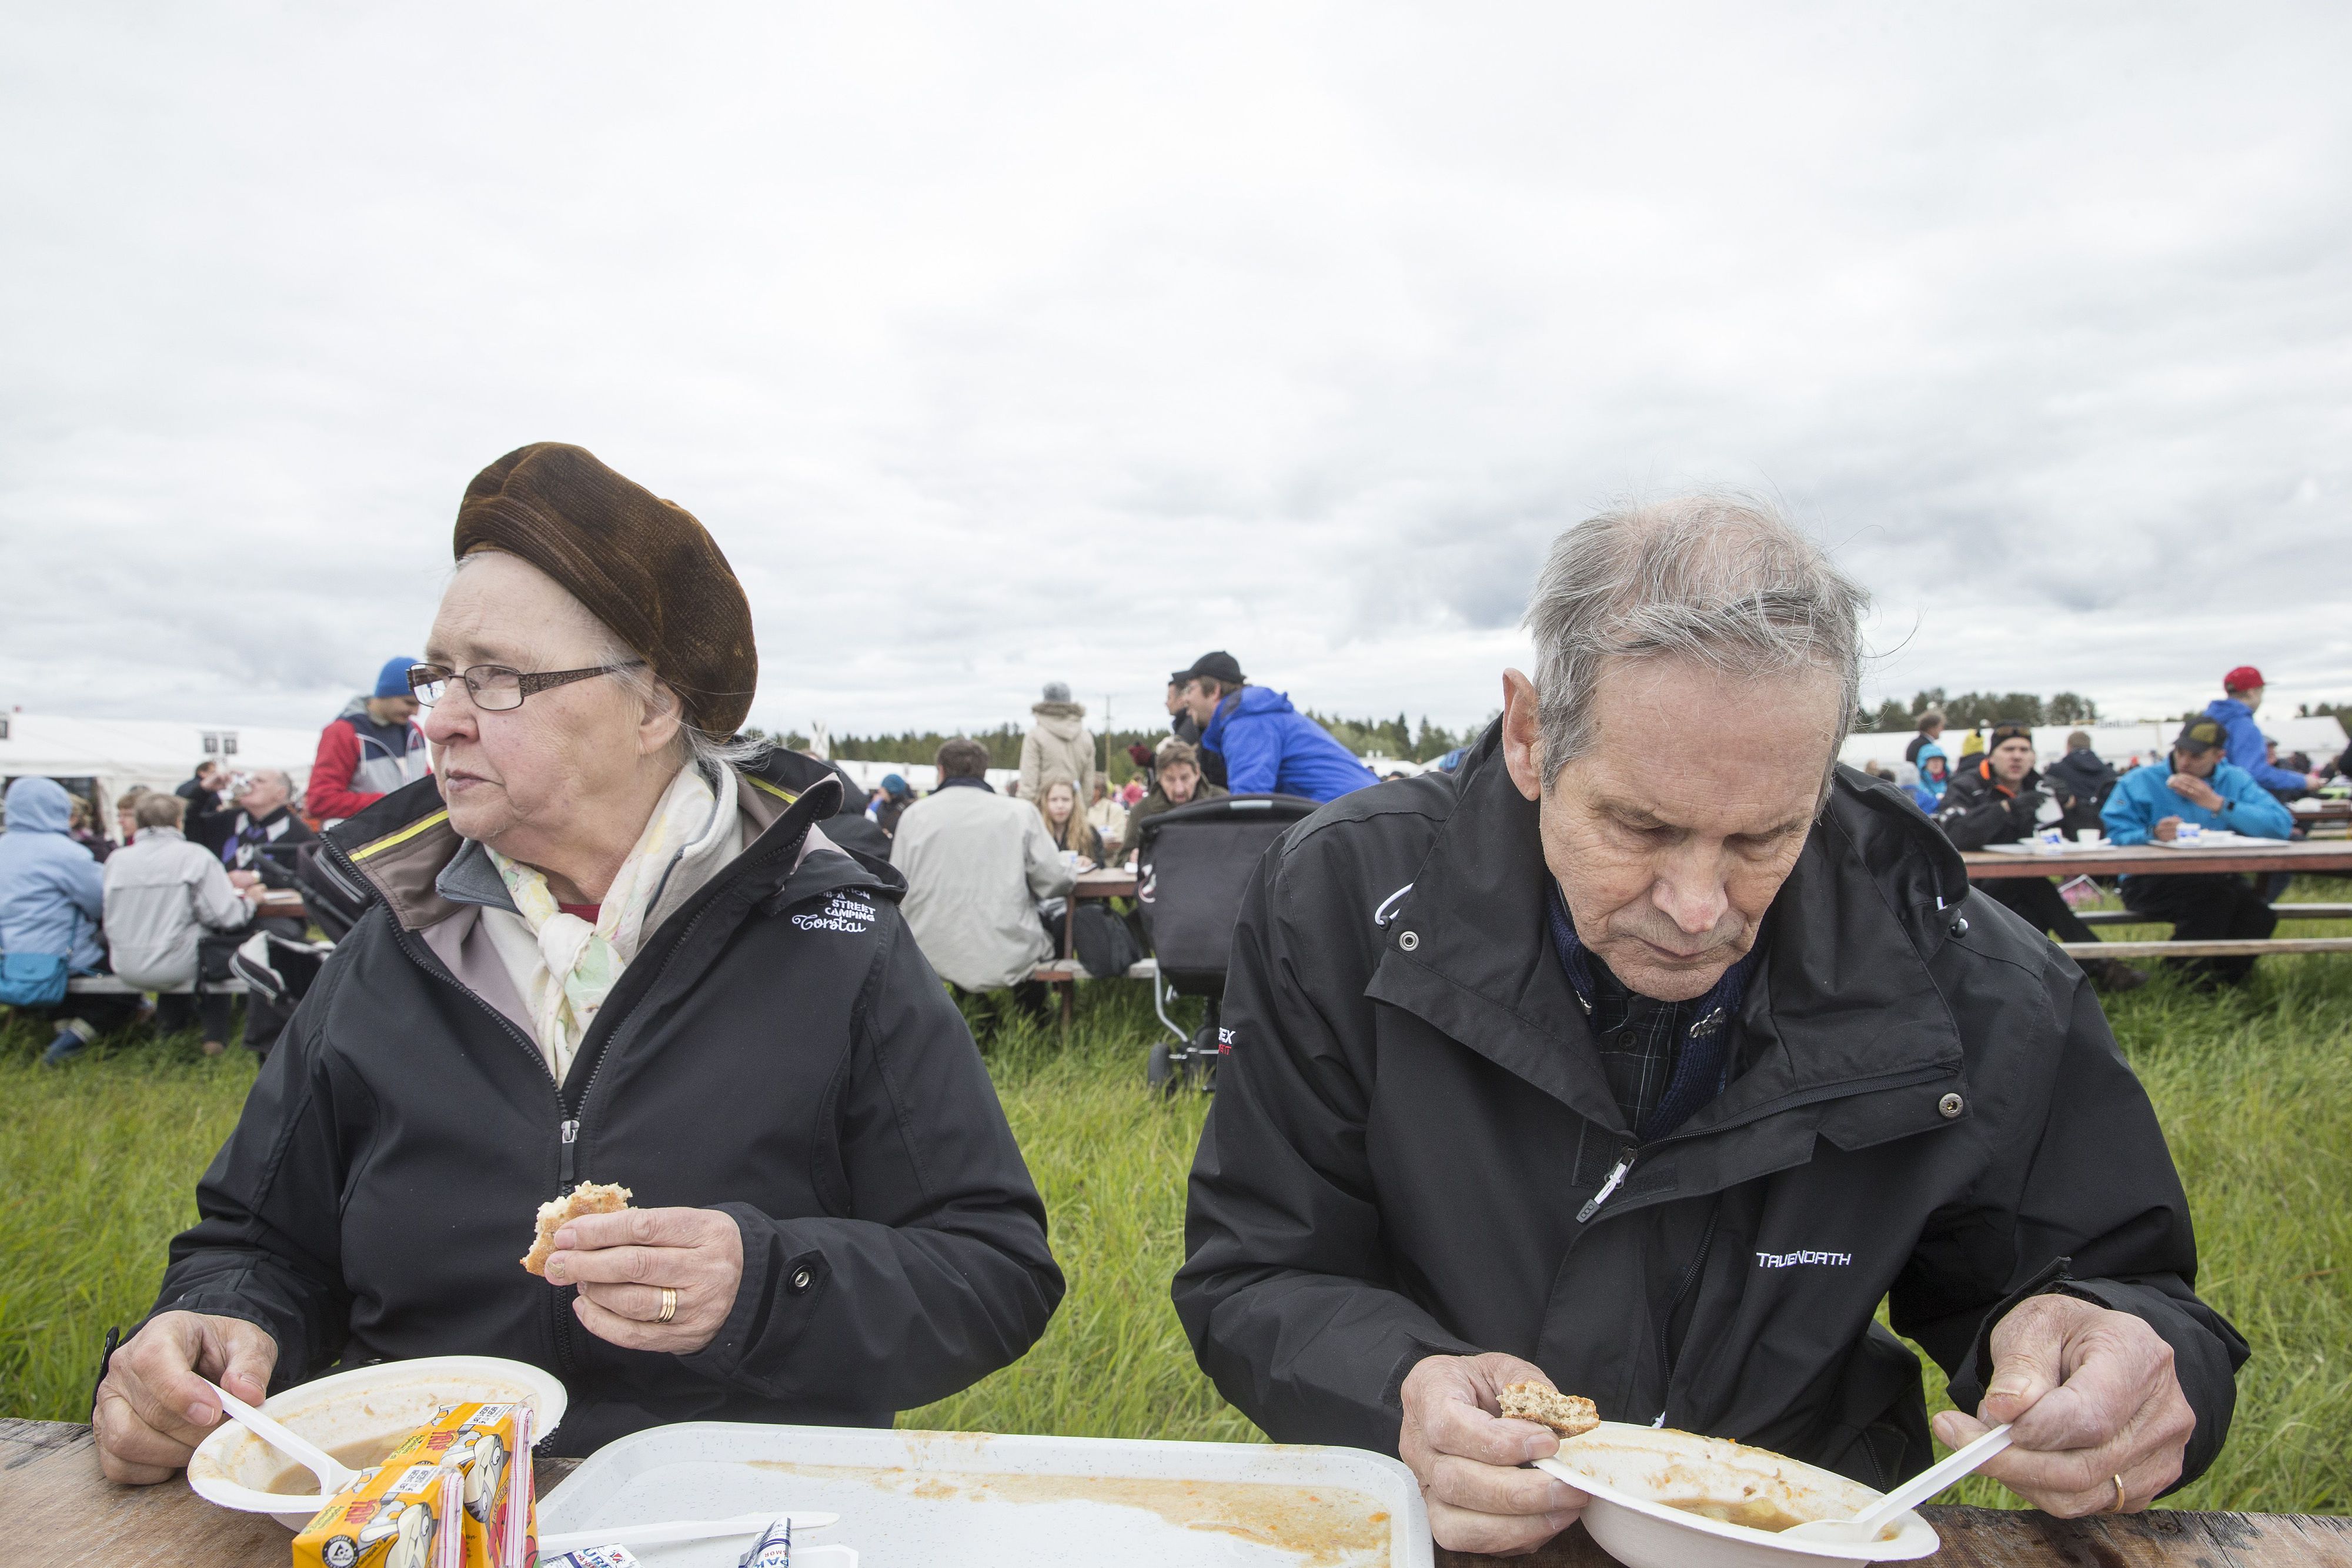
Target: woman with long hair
<point>1065,824</point>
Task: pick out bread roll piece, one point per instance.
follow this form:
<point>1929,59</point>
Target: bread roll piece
<point>588,1198</point>
<point>1569,1415</point>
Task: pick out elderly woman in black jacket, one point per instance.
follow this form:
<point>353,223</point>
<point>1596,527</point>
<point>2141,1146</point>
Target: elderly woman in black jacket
<point>605,944</point>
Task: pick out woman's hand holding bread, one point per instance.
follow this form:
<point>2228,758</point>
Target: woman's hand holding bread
<point>623,1262</point>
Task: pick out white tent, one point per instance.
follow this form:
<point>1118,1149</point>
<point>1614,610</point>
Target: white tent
<point>921,776</point>
<point>115,754</point>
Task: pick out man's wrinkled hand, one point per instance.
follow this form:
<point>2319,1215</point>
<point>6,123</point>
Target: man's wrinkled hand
<point>1468,1459</point>
<point>622,1261</point>
<point>153,1407</point>
<point>2091,1395</point>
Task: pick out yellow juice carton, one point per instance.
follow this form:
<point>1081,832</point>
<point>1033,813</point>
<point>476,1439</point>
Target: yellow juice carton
<point>490,1444</point>
<point>398,1515</point>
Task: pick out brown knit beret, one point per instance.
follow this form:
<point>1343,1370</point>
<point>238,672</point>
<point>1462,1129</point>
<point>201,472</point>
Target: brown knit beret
<point>642,565</point>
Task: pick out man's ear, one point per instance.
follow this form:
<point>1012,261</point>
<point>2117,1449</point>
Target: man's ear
<point>1522,734</point>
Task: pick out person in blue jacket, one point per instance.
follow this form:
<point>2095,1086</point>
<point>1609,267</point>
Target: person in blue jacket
<point>52,894</point>
<point>1935,771</point>
<point>2196,785</point>
<point>2245,744</point>
<point>1269,747</point>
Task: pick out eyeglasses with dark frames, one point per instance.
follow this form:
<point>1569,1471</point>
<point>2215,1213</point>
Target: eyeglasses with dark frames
<point>495,688</point>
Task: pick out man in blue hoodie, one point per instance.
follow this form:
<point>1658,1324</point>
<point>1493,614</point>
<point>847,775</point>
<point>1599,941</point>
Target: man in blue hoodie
<point>1269,747</point>
<point>2244,747</point>
<point>2196,785</point>
<point>51,895</point>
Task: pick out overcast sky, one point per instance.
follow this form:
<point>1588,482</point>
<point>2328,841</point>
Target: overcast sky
<point>1002,343</point>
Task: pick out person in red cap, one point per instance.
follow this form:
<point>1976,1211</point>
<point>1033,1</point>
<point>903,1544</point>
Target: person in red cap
<point>2244,746</point>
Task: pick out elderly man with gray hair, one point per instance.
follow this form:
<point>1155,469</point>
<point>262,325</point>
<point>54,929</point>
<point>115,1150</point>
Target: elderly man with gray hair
<point>1648,1054</point>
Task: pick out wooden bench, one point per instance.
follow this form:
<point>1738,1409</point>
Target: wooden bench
<point>1069,971</point>
<point>2283,910</point>
<point>2244,948</point>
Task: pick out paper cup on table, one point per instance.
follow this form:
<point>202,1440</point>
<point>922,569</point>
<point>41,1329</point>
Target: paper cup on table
<point>2088,837</point>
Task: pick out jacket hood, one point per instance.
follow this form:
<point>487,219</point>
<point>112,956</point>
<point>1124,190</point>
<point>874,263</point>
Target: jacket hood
<point>1263,699</point>
<point>2227,708</point>
<point>38,806</point>
<point>357,708</point>
<point>1062,720</point>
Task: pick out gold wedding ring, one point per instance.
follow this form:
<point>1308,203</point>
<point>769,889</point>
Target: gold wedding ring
<point>669,1311</point>
<point>2118,1505</point>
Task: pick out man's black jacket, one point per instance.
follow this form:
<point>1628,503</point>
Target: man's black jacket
<point>1977,810</point>
<point>778,1050</point>
<point>2082,775</point>
<point>1413,1118</point>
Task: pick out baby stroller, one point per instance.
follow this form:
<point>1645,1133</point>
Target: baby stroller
<point>1193,866</point>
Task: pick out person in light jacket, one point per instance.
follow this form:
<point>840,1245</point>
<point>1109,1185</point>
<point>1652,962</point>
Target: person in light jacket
<point>975,865</point>
<point>163,896</point>
<point>51,893</point>
<point>1058,746</point>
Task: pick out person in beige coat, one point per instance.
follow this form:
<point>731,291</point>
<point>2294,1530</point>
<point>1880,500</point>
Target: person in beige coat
<point>1058,746</point>
<point>975,865</point>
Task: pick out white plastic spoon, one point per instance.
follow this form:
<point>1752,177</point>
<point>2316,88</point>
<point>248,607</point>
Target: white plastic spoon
<point>1865,1527</point>
<point>675,1530</point>
<point>332,1473</point>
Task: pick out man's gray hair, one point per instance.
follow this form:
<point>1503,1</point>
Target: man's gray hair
<point>1722,580</point>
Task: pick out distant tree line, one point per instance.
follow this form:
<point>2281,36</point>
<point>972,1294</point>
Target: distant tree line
<point>1974,710</point>
<point>1397,737</point>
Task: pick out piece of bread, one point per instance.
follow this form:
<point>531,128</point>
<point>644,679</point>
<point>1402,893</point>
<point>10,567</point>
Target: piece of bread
<point>1569,1415</point>
<point>588,1198</point>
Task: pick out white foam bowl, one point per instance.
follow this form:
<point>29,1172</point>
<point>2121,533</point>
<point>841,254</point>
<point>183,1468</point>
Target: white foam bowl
<point>369,1405</point>
<point>1635,1474</point>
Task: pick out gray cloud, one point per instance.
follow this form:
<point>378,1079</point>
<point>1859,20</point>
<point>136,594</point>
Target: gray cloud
<point>1052,342</point>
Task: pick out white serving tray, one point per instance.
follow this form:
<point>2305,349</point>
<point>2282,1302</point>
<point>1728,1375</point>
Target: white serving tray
<point>979,1500</point>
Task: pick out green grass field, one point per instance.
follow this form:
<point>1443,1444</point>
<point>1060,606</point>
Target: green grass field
<point>98,1161</point>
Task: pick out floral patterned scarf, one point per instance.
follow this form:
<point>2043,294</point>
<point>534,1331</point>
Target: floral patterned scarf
<point>580,963</point>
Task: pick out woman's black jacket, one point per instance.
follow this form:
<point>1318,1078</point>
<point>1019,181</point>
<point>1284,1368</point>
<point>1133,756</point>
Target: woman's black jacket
<point>778,1050</point>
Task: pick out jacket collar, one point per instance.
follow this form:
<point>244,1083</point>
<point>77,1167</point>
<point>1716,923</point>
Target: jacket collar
<point>416,862</point>
<point>1842,1001</point>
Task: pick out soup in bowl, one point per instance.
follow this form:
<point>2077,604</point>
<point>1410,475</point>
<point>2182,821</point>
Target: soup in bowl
<point>357,1417</point>
<point>1662,1499</point>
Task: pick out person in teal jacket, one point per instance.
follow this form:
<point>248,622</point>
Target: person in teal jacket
<point>2195,784</point>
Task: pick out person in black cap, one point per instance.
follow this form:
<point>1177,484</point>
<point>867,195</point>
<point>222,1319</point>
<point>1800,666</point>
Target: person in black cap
<point>2004,801</point>
<point>1180,723</point>
<point>1263,745</point>
<point>2196,786</point>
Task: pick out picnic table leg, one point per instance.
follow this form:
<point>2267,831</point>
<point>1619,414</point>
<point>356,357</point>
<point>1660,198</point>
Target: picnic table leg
<point>1069,952</point>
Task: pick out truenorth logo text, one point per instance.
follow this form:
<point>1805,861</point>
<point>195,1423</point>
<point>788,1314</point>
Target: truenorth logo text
<point>1791,1260</point>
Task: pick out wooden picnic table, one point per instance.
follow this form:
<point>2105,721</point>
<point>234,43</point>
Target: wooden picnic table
<point>64,1514</point>
<point>2311,857</point>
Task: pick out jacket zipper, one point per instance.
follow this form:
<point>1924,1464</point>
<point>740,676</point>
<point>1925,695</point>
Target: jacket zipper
<point>1616,1179</point>
<point>1672,1354</point>
<point>555,1312</point>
